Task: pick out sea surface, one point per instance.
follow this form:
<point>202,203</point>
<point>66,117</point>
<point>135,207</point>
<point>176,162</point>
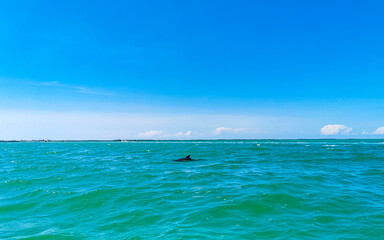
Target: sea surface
<point>240,189</point>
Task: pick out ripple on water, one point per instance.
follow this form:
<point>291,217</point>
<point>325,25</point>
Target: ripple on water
<point>248,189</point>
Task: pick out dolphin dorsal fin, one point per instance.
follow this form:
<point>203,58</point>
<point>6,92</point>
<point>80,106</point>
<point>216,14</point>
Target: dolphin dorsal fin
<point>188,157</point>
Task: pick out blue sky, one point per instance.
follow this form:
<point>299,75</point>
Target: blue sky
<point>191,69</point>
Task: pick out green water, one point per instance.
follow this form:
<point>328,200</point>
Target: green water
<point>241,189</point>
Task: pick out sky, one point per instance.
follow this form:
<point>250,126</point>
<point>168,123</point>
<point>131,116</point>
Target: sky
<point>191,69</point>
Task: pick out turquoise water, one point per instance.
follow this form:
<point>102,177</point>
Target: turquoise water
<point>241,189</point>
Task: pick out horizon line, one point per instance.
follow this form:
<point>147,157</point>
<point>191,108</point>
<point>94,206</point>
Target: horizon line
<point>151,140</point>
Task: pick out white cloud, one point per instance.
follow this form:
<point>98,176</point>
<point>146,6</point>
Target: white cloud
<point>151,133</point>
<point>74,88</point>
<point>380,131</point>
<point>364,133</point>
<point>220,130</point>
<point>335,129</point>
<point>180,134</point>
<point>188,133</point>
<point>51,84</point>
<point>162,134</point>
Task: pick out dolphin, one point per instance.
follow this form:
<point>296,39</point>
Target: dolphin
<point>186,159</point>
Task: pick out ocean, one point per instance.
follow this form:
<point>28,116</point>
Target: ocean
<point>239,189</point>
